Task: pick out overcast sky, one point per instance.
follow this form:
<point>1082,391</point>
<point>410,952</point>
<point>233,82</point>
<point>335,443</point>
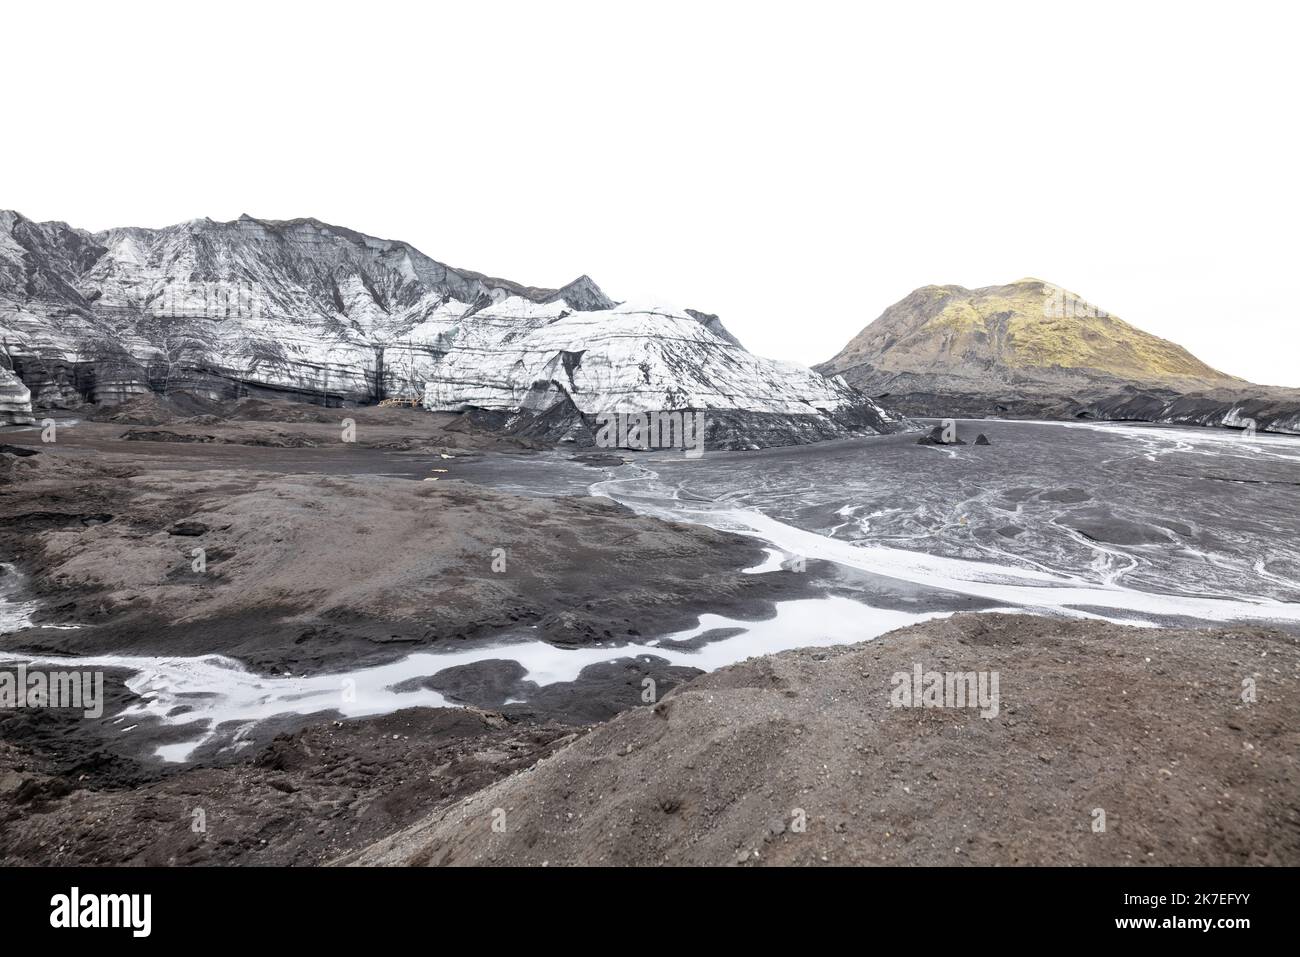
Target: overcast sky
<point>795,168</point>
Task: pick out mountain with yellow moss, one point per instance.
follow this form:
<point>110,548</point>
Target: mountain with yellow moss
<point>1027,347</point>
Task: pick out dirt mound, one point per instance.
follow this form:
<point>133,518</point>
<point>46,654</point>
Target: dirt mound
<point>273,439</point>
<point>1108,745</point>
<point>154,409</point>
<point>280,410</point>
<point>256,409</point>
<point>417,567</point>
<point>308,796</point>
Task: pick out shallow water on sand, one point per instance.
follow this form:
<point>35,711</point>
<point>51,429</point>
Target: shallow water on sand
<point>220,697</point>
<point>1148,523</point>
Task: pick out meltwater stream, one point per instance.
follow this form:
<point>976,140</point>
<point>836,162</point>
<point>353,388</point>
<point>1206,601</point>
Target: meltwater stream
<point>1021,589</point>
<point>219,696</point>
<point>1147,526</point>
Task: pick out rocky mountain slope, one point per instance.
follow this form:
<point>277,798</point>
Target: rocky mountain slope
<point>306,309</point>
<point>1031,348</point>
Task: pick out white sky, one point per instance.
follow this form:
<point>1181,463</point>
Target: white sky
<point>792,167</point>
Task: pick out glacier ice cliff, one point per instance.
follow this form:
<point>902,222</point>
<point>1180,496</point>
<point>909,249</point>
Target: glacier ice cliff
<point>304,309</point>
<point>15,400</point>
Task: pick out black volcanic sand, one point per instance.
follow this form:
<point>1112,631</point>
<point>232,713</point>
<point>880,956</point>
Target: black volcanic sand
<point>1148,726</point>
<point>303,798</point>
<point>331,557</point>
<point>324,555</point>
<point>312,567</point>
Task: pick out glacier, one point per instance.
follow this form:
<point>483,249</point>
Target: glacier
<point>303,309</point>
